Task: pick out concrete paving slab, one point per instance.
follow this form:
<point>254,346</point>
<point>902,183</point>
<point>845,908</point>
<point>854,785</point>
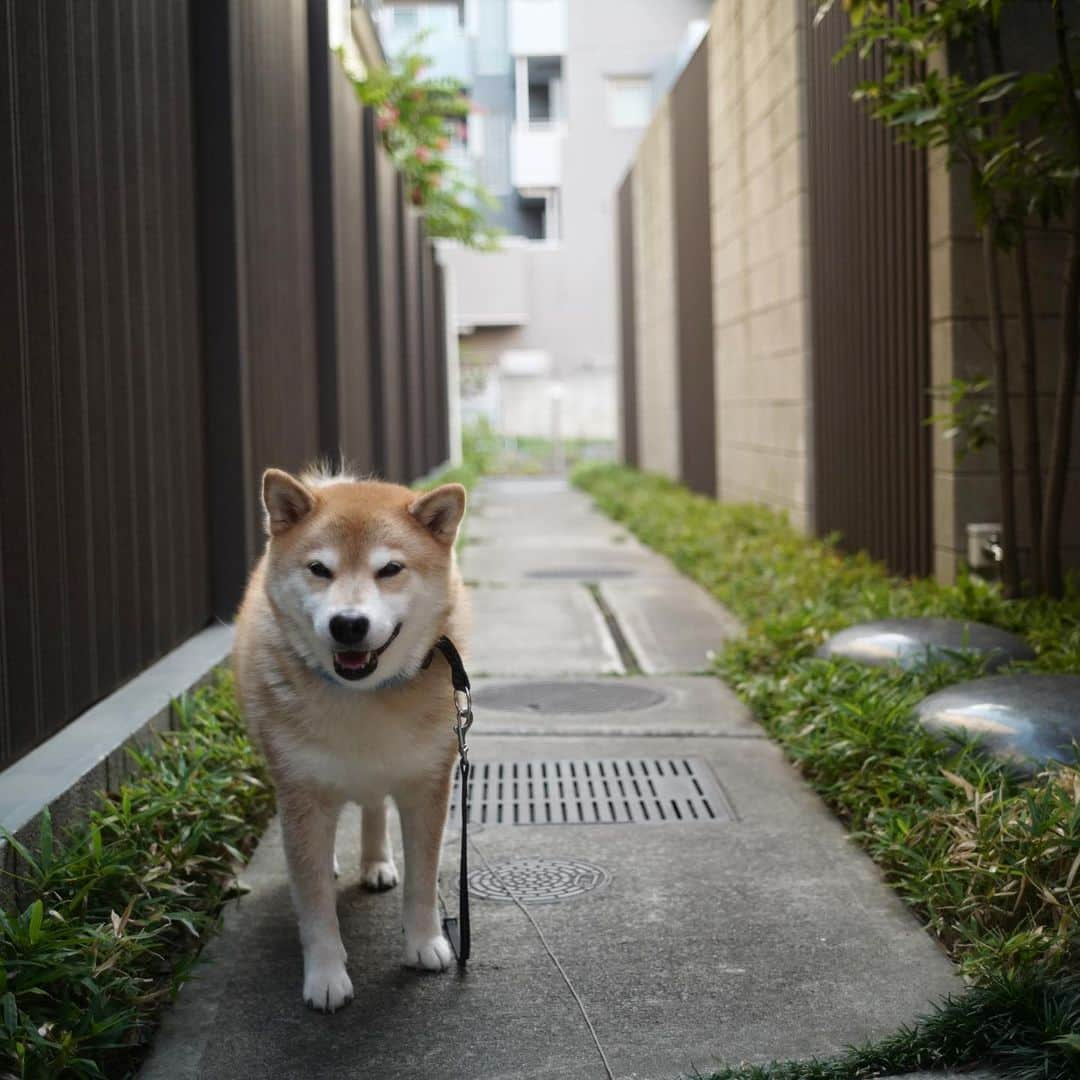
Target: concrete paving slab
<point>548,519</point>
<point>766,937</point>
<point>671,624</point>
<point>512,563</point>
<point>548,629</point>
<point>688,706</point>
<point>554,530</point>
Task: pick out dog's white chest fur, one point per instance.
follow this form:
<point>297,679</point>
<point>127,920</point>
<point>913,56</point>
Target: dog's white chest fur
<point>361,750</point>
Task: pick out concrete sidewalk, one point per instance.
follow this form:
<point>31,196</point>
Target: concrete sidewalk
<point>699,906</point>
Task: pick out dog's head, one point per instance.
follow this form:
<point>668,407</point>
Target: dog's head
<point>361,573</point>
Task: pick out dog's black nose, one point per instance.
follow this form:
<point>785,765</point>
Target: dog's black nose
<point>349,629</point>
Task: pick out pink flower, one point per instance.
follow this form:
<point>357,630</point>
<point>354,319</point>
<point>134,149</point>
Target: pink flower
<point>423,154</point>
<point>388,116</point>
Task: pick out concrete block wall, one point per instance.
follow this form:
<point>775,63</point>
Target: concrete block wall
<point>656,315</point>
<point>760,253</point>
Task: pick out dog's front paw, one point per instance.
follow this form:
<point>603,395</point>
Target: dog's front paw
<point>428,954</point>
<point>327,986</point>
<point>378,876</point>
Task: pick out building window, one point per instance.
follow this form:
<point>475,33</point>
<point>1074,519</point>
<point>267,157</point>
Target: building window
<point>538,89</point>
<point>629,101</point>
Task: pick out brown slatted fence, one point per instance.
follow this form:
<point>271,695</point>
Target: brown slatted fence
<point>201,275</point>
<point>103,514</point>
<point>869,311</point>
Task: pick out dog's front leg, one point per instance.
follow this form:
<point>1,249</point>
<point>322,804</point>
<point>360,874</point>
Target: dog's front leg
<point>423,817</point>
<point>377,870</point>
<point>308,824</point>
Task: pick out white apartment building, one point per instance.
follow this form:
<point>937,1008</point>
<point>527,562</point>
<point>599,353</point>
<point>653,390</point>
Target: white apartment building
<point>562,90</point>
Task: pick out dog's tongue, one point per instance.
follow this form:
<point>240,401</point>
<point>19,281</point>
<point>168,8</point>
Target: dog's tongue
<point>353,660</point>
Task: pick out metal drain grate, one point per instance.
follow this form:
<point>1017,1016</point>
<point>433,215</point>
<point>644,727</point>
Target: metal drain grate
<point>597,791</point>
<point>536,880</point>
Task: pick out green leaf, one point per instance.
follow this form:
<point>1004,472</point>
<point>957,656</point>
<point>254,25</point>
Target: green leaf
<point>36,912</point>
<point>9,1009</point>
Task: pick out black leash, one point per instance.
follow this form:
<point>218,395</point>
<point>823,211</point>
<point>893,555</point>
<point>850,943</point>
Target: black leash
<point>458,930</point>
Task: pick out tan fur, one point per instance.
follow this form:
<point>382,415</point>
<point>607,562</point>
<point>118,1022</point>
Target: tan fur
<point>328,741</point>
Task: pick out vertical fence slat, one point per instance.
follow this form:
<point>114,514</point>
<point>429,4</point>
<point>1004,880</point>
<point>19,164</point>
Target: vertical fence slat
<point>693,268</point>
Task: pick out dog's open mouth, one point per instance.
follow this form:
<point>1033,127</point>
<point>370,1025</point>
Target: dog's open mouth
<point>352,664</point>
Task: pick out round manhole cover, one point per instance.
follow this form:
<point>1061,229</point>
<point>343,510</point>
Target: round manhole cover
<point>579,573</point>
<point>554,698</point>
<point>535,880</point>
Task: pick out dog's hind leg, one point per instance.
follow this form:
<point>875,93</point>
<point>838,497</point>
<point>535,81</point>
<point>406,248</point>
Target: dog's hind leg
<point>423,816</point>
<point>377,869</point>
<point>308,825</point>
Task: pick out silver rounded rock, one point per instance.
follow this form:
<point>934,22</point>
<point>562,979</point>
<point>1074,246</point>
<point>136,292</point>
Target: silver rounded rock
<point>1024,720</point>
<point>912,642</point>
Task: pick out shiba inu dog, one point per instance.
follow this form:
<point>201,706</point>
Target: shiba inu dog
<point>333,668</point>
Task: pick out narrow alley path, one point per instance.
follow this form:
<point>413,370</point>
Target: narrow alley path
<point>700,901</point>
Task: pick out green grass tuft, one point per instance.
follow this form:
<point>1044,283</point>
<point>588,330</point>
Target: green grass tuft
<point>111,916</point>
<point>990,863</point>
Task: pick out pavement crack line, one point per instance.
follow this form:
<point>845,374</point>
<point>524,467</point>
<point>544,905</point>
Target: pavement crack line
<point>548,949</point>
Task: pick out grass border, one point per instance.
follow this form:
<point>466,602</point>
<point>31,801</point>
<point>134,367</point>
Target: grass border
<point>988,861</point>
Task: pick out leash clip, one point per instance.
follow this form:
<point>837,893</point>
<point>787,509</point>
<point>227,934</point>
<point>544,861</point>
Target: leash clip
<point>464,720</point>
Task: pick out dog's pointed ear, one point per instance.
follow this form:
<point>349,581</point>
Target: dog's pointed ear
<point>285,499</point>
<point>440,511</point>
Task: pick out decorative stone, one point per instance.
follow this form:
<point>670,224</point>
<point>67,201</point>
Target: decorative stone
<point>1024,720</point>
<point>912,642</point>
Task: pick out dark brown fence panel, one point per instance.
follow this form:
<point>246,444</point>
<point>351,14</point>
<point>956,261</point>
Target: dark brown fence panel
<point>277,252</point>
<point>442,387</point>
<point>384,274</point>
<point>103,546</point>
<point>412,340</point>
<point>432,399</point>
<point>338,153</point>
<point>627,320</point>
<point>869,310</point>
<point>693,269</point>
<point>251,73</point>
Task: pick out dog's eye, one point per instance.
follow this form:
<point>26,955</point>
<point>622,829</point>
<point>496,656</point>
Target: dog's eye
<point>320,569</point>
<point>390,570</point>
